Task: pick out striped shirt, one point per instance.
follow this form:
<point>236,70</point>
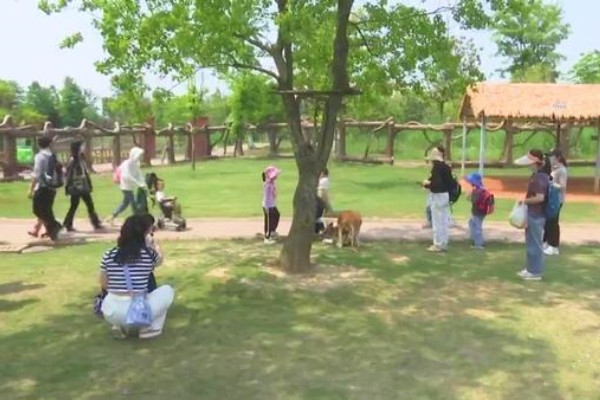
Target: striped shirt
<point>139,270</point>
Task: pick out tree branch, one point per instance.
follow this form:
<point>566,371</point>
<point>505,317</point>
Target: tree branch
<point>254,42</point>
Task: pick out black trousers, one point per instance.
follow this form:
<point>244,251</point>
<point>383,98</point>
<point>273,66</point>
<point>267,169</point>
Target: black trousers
<point>89,203</point>
<point>43,204</point>
<point>271,220</point>
<point>552,231</point>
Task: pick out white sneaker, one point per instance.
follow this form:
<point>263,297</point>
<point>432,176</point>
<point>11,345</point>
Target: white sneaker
<point>327,241</point>
<point>269,241</point>
<point>528,276</point>
<point>436,249</point>
<point>149,333</point>
<point>477,247</point>
<point>551,251</point>
<point>522,272</point>
<point>274,235</point>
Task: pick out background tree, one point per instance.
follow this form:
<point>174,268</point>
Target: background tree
<point>316,46</point>
<point>43,101</point>
<point>455,68</point>
<point>527,33</point>
<point>73,103</point>
<point>587,69</point>
<point>10,98</point>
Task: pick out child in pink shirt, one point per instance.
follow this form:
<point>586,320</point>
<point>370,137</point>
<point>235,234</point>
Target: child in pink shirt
<point>270,210</point>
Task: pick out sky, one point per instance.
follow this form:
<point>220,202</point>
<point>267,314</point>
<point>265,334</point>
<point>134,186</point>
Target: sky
<point>31,45</point>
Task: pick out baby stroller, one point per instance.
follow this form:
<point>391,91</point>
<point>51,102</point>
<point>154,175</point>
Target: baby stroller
<point>170,209</point>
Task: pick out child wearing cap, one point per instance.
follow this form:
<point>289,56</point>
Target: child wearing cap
<point>270,210</point>
<point>482,204</point>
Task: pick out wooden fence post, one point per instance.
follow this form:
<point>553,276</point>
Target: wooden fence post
<point>89,151</point>
<point>342,140</point>
<point>391,138</point>
<point>116,146</point>
<point>509,140</point>
<point>171,146</point>
<point>11,168</point>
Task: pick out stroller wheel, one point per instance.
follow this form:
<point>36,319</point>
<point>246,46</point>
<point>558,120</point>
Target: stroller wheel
<point>161,224</point>
<point>183,225</point>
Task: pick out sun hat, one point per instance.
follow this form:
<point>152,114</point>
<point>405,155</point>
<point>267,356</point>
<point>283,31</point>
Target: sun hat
<point>533,157</point>
<point>435,155</point>
<point>272,172</point>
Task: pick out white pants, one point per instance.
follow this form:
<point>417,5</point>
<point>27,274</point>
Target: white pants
<point>440,218</point>
<point>114,307</point>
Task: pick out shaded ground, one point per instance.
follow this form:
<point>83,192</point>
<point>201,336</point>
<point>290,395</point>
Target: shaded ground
<point>13,232</point>
<point>391,322</point>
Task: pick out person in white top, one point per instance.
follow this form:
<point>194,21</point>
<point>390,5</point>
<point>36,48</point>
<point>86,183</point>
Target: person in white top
<point>323,191</point>
<point>131,180</point>
<point>559,176</point>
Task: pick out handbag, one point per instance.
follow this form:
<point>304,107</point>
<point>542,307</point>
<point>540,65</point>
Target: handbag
<point>139,314</point>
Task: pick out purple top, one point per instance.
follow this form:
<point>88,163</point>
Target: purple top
<point>269,194</point>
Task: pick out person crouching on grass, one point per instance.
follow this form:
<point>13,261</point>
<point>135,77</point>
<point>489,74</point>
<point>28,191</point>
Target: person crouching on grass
<point>535,199</point>
<point>482,204</point>
<point>270,210</point>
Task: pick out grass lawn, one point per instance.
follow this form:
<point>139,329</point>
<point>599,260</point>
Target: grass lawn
<point>233,188</point>
<point>391,322</point>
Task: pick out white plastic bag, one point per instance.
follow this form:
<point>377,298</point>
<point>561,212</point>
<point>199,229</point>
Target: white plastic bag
<point>518,216</point>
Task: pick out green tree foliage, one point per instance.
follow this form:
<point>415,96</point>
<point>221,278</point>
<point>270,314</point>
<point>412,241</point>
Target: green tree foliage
<point>540,73</point>
<point>454,69</point>
<point>43,101</point>
<point>527,33</point>
<point>587,69</point>
<point>317,44</point>
<point>73,103</point>
<point>10,98</point>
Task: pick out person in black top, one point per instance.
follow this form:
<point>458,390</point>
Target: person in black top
<point>439,184</point>
<point>79,187</point>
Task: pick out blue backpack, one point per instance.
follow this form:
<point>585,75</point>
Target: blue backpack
<point>553,203</point>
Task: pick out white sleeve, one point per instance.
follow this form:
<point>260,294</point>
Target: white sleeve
<point>160,196</point>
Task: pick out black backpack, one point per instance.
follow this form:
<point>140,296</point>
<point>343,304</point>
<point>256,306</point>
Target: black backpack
<point>455,190</point>
<point>54,173</point>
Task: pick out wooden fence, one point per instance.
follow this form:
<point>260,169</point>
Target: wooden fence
<point>200,139</point>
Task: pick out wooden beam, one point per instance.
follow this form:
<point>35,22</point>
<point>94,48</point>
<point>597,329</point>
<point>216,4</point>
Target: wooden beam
<point>597,173</point>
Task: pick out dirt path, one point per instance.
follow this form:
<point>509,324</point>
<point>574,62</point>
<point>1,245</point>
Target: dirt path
<point>13,232</point>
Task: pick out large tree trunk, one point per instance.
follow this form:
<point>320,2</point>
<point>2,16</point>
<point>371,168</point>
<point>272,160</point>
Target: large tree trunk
<point>311,156</point>
<point>295,255</point>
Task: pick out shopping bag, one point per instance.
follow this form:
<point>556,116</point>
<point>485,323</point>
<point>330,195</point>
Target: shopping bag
<point>518,216</point>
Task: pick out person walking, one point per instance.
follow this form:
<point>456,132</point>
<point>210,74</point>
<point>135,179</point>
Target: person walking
<point>79,187</point>
<point>132,182</point>
<point>47,177</point>
<point>559,176</point>
<point>439,184</point>
<point>535,199</point>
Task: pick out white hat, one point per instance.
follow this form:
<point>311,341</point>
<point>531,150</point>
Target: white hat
<point>435,155</point>
<point>528,159</point>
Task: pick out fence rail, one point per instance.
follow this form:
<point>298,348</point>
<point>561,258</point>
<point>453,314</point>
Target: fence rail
<point>200,139</point>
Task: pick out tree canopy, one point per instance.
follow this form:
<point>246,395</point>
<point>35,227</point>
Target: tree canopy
<point>587,69</point>
<point>527,33</point>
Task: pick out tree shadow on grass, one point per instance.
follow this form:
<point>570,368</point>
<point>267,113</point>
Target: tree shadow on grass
<point>236,340</point>
<point>18,286</point>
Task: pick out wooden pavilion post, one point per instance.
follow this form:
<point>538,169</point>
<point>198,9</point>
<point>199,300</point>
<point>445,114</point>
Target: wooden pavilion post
<point>597,173</point>
<point>482,142</point>
<point>463,147</point>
